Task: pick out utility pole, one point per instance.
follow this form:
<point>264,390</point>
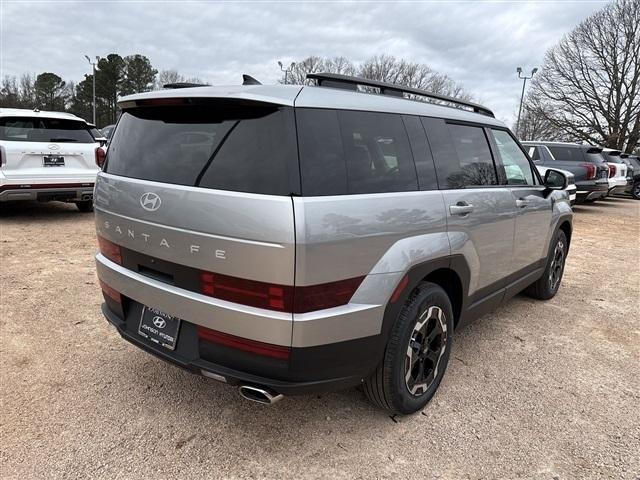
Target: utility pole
<point>524,82</point>
<point>286,71</point>
<point>93,64</point>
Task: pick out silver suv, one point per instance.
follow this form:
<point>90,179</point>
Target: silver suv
<point>294,239</point>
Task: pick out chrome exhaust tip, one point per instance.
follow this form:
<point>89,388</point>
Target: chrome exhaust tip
<point>259,395</point>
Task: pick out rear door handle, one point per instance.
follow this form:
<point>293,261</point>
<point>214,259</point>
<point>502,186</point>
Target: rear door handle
<point>521,203</point>
<point>461,208</point>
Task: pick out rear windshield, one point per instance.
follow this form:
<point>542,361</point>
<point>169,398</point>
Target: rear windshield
<point>567,154</point>
<point>227,147</point>
<point>30,129</point>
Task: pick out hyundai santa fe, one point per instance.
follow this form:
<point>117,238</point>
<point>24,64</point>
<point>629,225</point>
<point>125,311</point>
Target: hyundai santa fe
<point>295,239</point>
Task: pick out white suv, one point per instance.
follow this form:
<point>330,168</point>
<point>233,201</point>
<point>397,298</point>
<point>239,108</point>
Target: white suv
<point>47,156</point>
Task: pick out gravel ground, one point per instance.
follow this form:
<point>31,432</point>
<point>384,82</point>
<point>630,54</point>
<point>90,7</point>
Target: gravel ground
<point>538,389</point>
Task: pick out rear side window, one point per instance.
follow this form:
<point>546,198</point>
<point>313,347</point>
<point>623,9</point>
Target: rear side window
<point>354,152</point>
<point>227,147</point>
<point>32,129</point>
<point>475,164</point>
<point>534,153</point>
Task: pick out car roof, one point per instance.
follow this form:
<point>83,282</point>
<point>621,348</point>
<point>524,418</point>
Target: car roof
<point>25,112</point>
<point>320,97</point>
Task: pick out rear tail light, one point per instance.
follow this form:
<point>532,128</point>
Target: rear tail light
<point>591,170</point>
<point>259,348</point>
<point>282,298</point>
<point>101,155</point>
<point>110,292</point>
<point>110,250</point>
<point>612,170</point>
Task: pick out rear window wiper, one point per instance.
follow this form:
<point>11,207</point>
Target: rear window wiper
<point>63,139</point>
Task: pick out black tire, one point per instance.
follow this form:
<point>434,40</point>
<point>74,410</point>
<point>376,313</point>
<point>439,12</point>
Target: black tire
<point>85,206</point>
<point>389,386</point>
<point>548,284</point>
<point>635,190</point>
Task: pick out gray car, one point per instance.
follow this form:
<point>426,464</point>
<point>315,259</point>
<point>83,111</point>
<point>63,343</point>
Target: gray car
<point>295,239</point>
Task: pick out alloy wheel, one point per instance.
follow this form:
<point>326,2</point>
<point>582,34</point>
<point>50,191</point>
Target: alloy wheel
<point>557,266</point>
<point>426,346</point>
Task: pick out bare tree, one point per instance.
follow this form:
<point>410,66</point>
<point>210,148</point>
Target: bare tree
<point>172,76</point>
<point>385,68</point>
<point>313,64</point>
<point>589,87</point>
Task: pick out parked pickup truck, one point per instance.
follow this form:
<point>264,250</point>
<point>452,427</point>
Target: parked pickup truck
<point>584,161</point>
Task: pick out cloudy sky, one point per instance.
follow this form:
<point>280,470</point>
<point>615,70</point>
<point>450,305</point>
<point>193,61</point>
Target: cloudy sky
<point>478,44</point>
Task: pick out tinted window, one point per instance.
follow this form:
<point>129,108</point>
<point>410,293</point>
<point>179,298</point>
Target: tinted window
<point>322,163</point>
<point>567,154</point>
<point>353,152</point>
<point>516,164</point>
<point>377,153</point>
<point>475,164</point>
<point>31,129</point>
<point>240,148</point>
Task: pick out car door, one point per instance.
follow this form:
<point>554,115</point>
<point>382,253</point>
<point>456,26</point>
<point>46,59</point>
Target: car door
<point>533,206</point>
<point>480,212</point>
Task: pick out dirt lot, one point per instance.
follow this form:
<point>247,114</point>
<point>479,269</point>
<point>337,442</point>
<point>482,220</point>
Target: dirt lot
<point>541,390</point>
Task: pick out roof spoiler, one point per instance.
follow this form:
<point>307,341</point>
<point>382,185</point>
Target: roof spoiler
<point>335,80</point>
<point>184,85</point>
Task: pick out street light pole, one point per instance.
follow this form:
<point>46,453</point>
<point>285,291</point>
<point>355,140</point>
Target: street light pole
<point>286,70</point>
<point>524,83</point>
<point>93,64</point>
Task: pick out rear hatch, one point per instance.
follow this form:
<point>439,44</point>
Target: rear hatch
<point>199,187</point>
<point>47,150</point>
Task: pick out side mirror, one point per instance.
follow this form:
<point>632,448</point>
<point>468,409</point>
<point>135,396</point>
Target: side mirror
<point>555,180</point>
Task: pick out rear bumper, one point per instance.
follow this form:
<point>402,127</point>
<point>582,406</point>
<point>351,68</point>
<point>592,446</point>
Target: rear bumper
<point>591,190</point>
<point>324,369</point>
<point>65,192</point>
<point>328,349</point>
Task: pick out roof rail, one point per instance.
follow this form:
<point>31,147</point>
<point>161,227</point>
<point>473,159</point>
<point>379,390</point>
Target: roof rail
<point>336,80</point>
<point>184,85</point>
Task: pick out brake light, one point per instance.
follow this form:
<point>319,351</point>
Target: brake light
<point>282,298</point>
<point>259,348</point>
<point>101,155</point>
<point>110,250</point>
<point>110,292</point>
<point>612,170</point>
<point>162,102</point>
<point>591,170</point>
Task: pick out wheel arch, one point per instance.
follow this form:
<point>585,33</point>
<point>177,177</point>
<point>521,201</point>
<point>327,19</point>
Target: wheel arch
<point>451,273</point>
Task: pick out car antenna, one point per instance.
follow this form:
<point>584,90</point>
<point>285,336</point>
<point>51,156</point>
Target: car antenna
<point>249,80</point>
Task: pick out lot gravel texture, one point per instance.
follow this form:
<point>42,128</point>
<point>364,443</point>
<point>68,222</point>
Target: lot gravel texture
<point>535,390</point>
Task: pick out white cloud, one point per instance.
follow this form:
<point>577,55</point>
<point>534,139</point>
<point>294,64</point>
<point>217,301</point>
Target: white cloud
<point>478,44</point>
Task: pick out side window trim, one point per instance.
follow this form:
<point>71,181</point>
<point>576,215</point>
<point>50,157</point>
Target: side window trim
<point>492,152</point>
<point>424,162</point>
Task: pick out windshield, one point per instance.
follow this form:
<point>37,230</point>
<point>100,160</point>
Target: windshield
<point>31,129</point>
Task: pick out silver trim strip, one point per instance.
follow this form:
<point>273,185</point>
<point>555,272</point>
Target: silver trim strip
<point>190,232</point>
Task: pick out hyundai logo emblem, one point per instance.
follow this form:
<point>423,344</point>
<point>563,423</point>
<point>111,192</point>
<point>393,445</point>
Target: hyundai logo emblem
<point>159,322</point>
<point>150,201</point>
<point>53,146</point>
